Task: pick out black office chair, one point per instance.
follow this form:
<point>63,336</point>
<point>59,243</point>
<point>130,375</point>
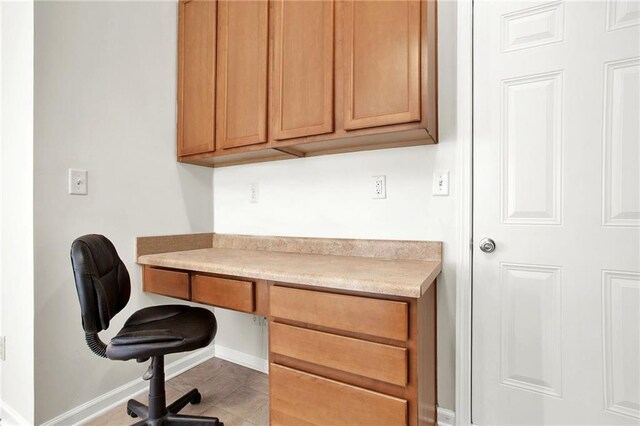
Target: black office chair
<point>104,287</point>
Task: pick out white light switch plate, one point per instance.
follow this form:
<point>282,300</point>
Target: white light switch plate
<point>77,182</point>
<point>441,182</point>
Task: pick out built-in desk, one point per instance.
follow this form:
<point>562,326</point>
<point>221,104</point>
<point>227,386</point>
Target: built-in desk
<point>352,323</point>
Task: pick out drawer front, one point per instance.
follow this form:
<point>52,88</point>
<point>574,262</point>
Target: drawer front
<point>225,293</point>
<point>298,398</point>
<point>341,353</point>
<point>375,317</point>
<point>166,282</point>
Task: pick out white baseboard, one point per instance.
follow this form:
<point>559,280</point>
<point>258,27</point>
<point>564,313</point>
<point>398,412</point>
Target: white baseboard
<point>103,403</point>
<point>10,417</point>
<point>242,358</point>
<point>446,417</point>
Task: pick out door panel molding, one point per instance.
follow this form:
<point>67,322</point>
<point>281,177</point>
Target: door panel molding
<point>531,179</point>
<point>531,297</point>
<point>620,324</point>
<point>621,178</point>
<point>620,14</point>
<point>533,27</point>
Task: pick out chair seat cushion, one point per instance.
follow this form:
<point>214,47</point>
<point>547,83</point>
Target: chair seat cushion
<point>160,330</point>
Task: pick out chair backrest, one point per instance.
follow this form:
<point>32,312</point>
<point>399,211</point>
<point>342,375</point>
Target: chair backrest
<point>102,281</point>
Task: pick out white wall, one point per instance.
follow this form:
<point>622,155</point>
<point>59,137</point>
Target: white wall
<point>330,196</point>
<point>16,220</point>
<point>105,95</point>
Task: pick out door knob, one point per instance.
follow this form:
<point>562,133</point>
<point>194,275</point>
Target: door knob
<point>487,245</point>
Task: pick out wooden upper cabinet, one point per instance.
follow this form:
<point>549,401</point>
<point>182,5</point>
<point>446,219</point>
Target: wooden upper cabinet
<point>196,76</point>
<point>273,79</point>
<point>302,79</point>
<point>381,63</point>
<point>241,106</point>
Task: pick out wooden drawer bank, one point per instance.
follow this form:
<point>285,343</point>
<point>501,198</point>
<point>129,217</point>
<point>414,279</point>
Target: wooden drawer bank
<point>334,358</point>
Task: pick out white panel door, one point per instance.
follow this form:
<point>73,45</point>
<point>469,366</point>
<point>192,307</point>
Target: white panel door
<point>556,306</point>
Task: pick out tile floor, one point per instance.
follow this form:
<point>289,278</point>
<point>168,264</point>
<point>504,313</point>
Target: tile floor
<point>237,395</point>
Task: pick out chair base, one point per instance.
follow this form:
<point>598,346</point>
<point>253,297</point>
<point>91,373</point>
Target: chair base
<point>178,419</point>
<point>157,413</point>
<point>137,409</point>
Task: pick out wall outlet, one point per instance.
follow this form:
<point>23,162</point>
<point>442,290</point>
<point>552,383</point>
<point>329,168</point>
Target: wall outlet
<point>441,182</point>
<point>254,193</point>
<point>2,346</point>
<point>379,187</point>
<point>77,182</point>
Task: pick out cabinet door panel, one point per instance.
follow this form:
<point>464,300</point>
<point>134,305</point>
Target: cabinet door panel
<point>197,65</point>
<point>303,68</point>
<point>242,73</point>
<point>381,63</point>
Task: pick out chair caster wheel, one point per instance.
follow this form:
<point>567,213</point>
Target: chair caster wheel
<point>196,399</point>
<point>131,413</point>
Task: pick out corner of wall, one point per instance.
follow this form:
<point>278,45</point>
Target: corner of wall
<point>16,168</point>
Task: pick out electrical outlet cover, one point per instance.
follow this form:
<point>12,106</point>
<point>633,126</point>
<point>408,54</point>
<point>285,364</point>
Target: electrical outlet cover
<point>379,187</point>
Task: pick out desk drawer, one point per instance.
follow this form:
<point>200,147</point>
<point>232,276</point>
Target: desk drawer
<point>225,293</point>
<point>300,398</point>
<point>375,317</point>
<point>341,353</point>
<point>166,282</point>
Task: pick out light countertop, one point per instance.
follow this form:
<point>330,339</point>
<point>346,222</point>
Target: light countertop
<point>381,267</point>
